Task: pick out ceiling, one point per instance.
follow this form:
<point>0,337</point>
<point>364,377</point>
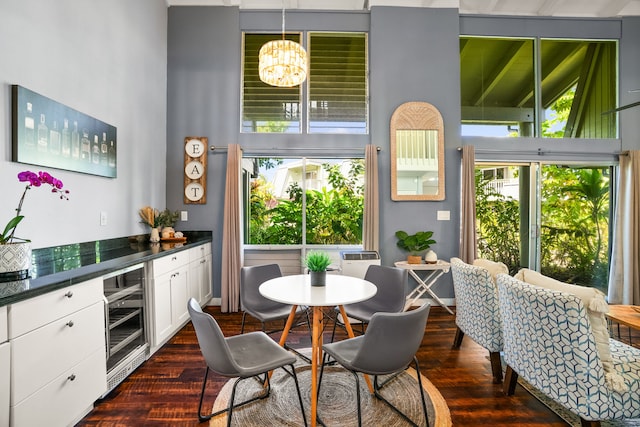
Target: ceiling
<point>559,8</point>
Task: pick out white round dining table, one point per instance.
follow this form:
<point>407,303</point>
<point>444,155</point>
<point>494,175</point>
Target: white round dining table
<point>297,291</point>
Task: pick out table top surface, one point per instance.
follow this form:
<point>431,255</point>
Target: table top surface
<point>626,314</point>
<point>440,265</point>
<point>297,290</point>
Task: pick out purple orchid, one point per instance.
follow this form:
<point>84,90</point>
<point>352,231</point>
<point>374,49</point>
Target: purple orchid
<point>33,180</point>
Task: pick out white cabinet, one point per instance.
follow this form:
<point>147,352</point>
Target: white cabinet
<point>5,369</point>
<point>5,378</point>
<point>200,273</point>
<point>169,293</point>
<point>57,352</point>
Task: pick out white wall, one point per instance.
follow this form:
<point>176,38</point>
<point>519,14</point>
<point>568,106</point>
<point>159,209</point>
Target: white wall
<point>107,59</point>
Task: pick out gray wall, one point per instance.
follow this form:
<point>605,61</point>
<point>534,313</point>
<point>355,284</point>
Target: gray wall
<point>108,60</point>
<point>414,56</point>
<point>137,66</point>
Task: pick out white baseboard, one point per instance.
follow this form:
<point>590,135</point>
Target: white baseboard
<point>449,302</point>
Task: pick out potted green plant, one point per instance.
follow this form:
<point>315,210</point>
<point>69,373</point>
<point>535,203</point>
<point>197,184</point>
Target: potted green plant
<point>317,263</point>
<point>415,244</point>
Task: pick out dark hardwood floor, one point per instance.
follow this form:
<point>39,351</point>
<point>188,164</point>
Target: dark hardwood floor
<point>164,391</point>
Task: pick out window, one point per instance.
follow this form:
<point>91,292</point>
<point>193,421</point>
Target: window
<point>304,201</point>
<point>579,84</point>
<point>338,83</point>
<point>576,87</point>
<point>553,218</point>
<point>267,108</point>
<point>336,87</point>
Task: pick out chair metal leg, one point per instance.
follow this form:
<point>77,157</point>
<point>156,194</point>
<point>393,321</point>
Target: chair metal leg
<point>244,314</point>
<point>231,406</point>
<point>335,324</point>
<point>377,387</point>
<point>355,374</point>
<point>295,379</point>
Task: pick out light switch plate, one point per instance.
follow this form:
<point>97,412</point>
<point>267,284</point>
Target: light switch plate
<point>184,215</point>
<point>103,218</point>
<point>444,215</point>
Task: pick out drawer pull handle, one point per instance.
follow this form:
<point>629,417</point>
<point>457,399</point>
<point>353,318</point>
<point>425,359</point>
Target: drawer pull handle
<point>174,258</point>
<point>71,377</point>
<point>70,323</point>
<point>68,294</point>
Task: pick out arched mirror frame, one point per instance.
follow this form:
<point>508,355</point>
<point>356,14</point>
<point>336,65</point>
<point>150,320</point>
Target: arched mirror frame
<point>417,116</point>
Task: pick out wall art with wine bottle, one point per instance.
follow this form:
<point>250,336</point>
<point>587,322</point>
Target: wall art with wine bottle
<point>47,133</point>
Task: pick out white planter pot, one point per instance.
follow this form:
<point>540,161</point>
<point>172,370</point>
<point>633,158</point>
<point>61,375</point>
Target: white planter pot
<point>15,261</point>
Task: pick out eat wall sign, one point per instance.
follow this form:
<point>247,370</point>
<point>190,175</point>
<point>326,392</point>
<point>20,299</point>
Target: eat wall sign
<point>195,170</point>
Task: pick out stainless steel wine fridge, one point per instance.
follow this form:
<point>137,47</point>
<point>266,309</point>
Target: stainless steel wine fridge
<point>125,333</point>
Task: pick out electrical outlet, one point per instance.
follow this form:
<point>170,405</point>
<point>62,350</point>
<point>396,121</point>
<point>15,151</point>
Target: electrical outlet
<point>184,215</point>
<point>103,218</point>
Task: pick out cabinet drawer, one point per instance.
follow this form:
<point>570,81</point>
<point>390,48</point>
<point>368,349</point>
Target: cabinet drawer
<point>4,329</point>
<point>28,315</point>
<point>63,400</point>
<point>170,262</point>
<point>43,354</point>
<point>199,252</point>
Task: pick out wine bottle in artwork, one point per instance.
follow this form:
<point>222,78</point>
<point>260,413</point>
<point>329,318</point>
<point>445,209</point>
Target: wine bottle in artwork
<point>29,128</point>
<point>104,150</point>
<point>43,135</point>
<point>66,139</point>
<point>75,141</point>
<point>85,147</point>
<point>54,139</point>
<point>112,155</point>
<point>95,150</point>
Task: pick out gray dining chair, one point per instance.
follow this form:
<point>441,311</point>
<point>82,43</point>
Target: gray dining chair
<point>257,306</point>
<point>391,284</point>
<point>388,347</point>
<point>243,356</point>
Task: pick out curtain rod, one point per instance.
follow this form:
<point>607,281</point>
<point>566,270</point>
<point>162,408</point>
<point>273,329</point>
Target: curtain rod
<point>213,148</point>
<point>541,152</point>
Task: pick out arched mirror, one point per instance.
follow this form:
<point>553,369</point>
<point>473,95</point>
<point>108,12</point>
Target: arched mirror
<point>417,152</point>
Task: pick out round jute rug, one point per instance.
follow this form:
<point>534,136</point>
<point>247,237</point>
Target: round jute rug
<point>336,401</point>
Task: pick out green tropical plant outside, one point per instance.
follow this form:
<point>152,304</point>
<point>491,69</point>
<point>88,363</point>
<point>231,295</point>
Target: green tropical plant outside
<point>574,217</point>
<point>333,216</point>
<point>498,225</point>
<point>574,214</point>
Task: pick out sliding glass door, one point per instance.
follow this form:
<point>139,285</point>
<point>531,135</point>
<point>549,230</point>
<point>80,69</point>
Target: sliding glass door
<point>553,218</point>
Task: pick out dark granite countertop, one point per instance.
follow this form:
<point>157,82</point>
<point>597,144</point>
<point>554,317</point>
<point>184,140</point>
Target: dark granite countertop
<point>60,266</point>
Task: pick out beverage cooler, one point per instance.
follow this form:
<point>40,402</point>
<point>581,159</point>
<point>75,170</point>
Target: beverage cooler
<point>125,334</point>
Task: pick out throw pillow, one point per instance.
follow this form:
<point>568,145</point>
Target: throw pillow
<point>593,300</point>
<point>494,268</point>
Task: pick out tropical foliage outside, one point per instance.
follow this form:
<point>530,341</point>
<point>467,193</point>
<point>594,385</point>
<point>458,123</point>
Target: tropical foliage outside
<point>574,213</point>
<point>333,213</point>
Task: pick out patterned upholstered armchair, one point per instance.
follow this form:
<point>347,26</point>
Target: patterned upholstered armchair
<point>550,342</point>
<point>477,312</point>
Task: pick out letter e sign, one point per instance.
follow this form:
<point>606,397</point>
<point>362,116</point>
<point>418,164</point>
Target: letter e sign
<point>195,170</point>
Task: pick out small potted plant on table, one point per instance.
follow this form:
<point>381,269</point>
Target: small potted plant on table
<point>415,244</point>
<point>317,263</point>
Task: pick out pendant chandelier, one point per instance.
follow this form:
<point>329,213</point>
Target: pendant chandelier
<point>282,63</point>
